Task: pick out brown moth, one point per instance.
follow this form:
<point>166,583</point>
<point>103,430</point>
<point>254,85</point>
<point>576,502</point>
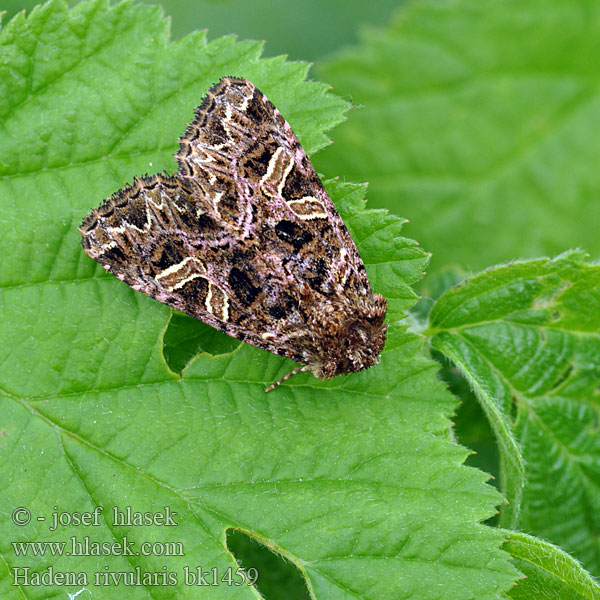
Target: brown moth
<point>245,238</point>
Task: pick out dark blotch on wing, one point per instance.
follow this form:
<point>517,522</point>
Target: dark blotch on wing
<point>242,287</point>
<point>293,234</point>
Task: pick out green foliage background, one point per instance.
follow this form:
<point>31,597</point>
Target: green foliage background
<point>303,31</point>
<point>475,119</point>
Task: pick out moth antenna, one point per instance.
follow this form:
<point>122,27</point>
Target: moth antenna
<point>286,377</point>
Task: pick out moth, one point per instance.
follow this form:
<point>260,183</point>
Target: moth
<point>245,238</point>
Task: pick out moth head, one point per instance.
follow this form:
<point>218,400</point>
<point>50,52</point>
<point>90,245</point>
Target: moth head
<point>353,336</point>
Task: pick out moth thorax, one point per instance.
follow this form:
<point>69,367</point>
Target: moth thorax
<point>352,334</point>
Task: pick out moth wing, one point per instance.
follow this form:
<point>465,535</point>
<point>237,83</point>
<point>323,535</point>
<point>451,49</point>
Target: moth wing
<point>139,236</point>
<point>238,130</point>
<point>244,237</point>
<point>156,236</point>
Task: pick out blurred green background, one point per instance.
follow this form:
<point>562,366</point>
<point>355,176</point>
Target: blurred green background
<point>304,30</point>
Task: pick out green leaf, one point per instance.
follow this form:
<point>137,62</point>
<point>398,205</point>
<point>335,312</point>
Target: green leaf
<point>356,481</point>
<point>527,338</point>
<point>471,426</point>
<point>185,337</point>
<point>478,120</point>
<point>551,574</point>
<point>318,27</point>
